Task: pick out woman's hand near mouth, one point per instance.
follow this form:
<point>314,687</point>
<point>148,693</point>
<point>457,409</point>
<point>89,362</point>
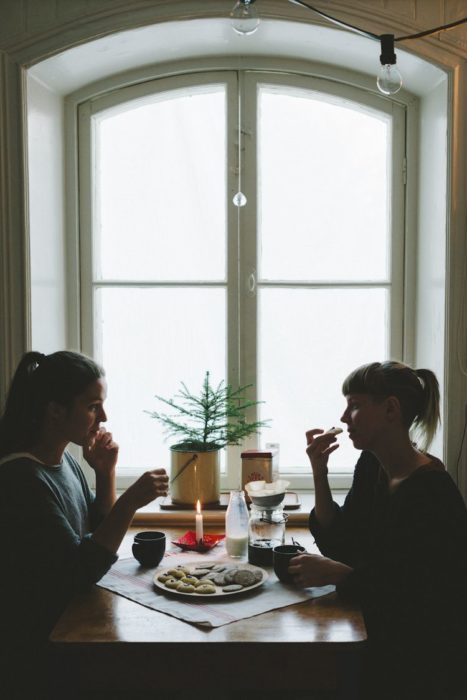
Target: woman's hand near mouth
<point>319,445</point>
<point>101,452</point>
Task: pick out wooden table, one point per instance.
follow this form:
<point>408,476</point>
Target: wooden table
<point>106,641</point>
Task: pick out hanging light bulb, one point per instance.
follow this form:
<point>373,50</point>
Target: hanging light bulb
<point>239,199</point>
<point>389,80</point>
<point>245,18</point>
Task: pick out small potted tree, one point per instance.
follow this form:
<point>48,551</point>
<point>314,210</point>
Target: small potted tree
<point>204,424</point>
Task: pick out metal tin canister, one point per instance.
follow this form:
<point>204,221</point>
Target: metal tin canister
<point>256,466</point>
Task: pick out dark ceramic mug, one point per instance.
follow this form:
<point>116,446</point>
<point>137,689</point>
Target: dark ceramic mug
<point>149,547</point>
<point>281,557</point>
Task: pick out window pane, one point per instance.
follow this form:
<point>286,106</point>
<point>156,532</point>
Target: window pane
<point>160,198</point>
<point>149,340</point>
<point>309,341</point>
<point>323,188</point>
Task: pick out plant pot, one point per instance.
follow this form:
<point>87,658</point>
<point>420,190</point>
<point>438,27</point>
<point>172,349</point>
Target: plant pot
<point>200,479</point>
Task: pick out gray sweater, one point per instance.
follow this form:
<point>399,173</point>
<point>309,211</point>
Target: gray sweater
<point>47,515</point>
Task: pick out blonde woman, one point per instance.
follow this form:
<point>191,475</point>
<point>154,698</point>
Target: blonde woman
<point>398,545</point>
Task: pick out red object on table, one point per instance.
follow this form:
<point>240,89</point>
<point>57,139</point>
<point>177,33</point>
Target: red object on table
<point>188,542</point>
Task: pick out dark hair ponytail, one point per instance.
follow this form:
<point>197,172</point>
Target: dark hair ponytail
<point>38,380</point>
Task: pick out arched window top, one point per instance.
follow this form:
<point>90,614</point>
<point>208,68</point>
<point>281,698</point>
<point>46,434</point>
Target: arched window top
<point>143,48</point>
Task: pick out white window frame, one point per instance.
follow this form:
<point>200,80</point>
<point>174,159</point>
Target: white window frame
<point>241,301</point>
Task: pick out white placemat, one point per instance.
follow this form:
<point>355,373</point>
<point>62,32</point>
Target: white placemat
<point>129,579</point>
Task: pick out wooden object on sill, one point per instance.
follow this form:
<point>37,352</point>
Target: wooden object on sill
<point>290,502</point>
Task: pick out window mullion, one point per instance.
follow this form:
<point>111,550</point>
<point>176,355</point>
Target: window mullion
<point>231,479</point>
<point>248,236</point>
<point>398,343</point>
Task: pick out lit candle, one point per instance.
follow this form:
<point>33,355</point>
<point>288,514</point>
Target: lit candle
<point>199,523</point>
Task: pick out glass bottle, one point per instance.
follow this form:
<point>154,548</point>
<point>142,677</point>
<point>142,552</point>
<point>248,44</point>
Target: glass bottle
<point>236,525</point>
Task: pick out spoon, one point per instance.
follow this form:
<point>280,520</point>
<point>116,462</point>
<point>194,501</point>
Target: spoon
<point>187,464</point>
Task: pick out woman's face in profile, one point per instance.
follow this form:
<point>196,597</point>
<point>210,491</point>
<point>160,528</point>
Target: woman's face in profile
<point>80,423</point>
<point>366,419</point>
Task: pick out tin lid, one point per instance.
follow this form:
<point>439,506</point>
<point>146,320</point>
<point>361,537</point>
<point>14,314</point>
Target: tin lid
<point>252,454</point>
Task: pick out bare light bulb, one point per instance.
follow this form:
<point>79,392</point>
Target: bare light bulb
<point>239,199</point>
<point>244,17</point>
<point>389,80</point>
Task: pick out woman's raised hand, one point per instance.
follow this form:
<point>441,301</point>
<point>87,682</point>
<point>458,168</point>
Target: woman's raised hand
<point>319,445</point>
<point>148,487</point>
<point>102,452</point>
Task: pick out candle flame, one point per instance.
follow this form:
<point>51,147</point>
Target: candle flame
<point>198,506</point>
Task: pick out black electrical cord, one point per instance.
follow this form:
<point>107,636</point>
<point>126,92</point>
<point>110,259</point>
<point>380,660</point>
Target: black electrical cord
<point>370,35</point>
<point>427,32</point>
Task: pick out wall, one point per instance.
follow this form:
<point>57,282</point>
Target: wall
<point>431,248</point>
<point>24,22</point>
<point>45,126</point>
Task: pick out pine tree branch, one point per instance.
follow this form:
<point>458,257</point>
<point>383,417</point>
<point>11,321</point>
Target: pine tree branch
<point>216,417</point>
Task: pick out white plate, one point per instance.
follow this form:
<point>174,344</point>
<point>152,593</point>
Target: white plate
<point>219,592</point>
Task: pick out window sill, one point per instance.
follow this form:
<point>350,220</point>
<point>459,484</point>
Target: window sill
<point>152,513</point>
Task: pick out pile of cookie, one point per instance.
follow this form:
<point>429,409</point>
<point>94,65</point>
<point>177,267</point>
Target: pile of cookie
<point>208,578</point>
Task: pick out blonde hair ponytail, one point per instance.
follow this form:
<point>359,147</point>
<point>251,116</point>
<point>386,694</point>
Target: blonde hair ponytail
<point>416,390</point>
<point>428,417</point>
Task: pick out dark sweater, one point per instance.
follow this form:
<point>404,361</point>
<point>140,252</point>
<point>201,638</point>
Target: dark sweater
<point>47,515</point>
<point>409,553</point>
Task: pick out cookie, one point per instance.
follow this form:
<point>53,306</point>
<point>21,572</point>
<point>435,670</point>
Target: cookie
<point>232,587</point>
<point>258,575</point>
<point>172,583</point>
<point>229,575</point>
<point>334,431</point>
<point>185,587</point>
<point>205,589</point>
<point>210,576</point>
<point>244,577</point>
<point>178,572</point>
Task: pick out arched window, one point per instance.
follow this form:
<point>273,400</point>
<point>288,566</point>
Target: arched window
<point>289,292</point>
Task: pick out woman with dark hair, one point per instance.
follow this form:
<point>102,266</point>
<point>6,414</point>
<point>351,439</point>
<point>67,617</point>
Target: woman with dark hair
<point>398,545</point>
<point>58,537</point>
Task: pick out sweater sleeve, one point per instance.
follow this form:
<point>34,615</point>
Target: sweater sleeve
<point>30,509</point>
<point>95,516</point>
<point>346,539</point>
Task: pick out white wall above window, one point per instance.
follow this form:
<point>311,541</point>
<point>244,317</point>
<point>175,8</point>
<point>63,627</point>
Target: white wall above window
<point>96,60</point>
